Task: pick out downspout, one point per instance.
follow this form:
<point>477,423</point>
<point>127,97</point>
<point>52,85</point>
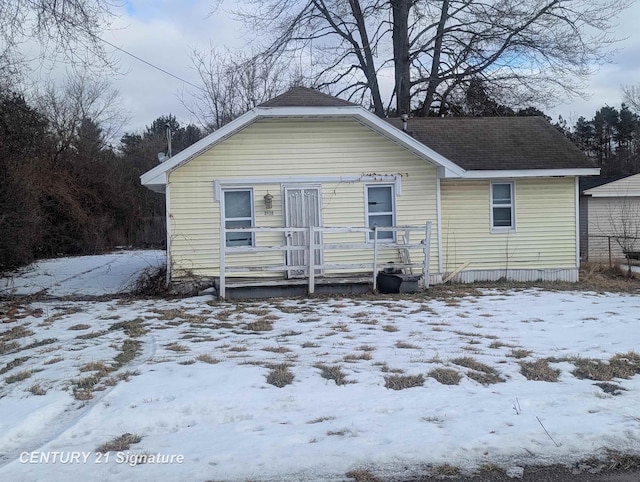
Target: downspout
<point>439,224</point>
<point>577,209</point>
<point>168,218</point>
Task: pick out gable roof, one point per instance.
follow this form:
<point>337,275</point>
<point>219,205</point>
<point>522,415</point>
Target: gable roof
<point>504,143</point>
<point>626,187</point>
<point>459,147</point>
<point>305,97</point>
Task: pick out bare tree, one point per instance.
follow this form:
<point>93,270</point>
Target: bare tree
<point>631,96</point>
<point>64,29</point>
<point>533,50</point>
<point>82,96</point>
<point>233,83</point>
<point>617,218</point>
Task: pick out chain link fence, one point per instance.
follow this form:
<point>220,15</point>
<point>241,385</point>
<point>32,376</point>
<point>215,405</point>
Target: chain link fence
<point>611,249</point>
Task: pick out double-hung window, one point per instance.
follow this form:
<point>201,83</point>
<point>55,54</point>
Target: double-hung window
<point>502,207</point>
<point>380,209</point>
<point>238,213</point>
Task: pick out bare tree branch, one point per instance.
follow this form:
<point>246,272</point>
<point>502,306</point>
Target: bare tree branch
<point>539,50</point>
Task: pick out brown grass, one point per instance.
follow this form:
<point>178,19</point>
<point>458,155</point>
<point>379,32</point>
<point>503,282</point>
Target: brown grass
<point>446,376</point>
<point>479,372</point>
<point>119,444</point>
<point>15,333</point>
<point>36,389</point>
<point>519,353</point>
<point>79,326</point>
<point>401,382</point>
<point>309,344</point>
<point>89,336</point>
<point>176,347</point>
<point>132,328</point>
<point>600,277</point>
<point>8,347</point>
<point>619,366</point>
<point>276,349</point>
<point>352,357</point>
<point>333,372</point>
<point>445,470</point>
<point>263,324</point>
<point>13,364</point>
<point>53,360</point>
<point>18,377</point>
<point>362,475</point>
<point>280,375</point>
<point>130,349</point>
<point>321,419</point>
<point>404,344</point>
<point>207,359</point>
<point>622,462</point>
<point>96,366</point>
<point>539,370</point>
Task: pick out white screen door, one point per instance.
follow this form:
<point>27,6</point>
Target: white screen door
<point>302,209</point>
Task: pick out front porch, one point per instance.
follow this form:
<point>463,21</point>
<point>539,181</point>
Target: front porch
<point>304,270</point>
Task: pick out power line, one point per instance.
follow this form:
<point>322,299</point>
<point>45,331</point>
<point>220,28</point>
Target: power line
<point>63,18</point>
<point>149,63</point>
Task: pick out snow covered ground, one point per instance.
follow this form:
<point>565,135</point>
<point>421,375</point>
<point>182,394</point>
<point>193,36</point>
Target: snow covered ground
<point>82,275</point>
<point>197,387</point>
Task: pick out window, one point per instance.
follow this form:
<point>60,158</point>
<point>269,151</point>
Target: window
<point>238,213</point>
<point>380,209</point>
<point>502,207</point>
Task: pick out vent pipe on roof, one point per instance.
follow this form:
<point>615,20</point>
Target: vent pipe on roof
<point>405,118</point>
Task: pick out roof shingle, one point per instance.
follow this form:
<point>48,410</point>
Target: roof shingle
<point>305,97</point>
<point>497,143</point>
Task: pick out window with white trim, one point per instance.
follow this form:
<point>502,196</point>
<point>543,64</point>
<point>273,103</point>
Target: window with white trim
<point>502,206</point>
<point>380,209</point>
<point>238,213</point>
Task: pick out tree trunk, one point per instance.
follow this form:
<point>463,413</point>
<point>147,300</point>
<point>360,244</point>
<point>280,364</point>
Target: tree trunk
<point>401,61</point>
<point>435,62</point>
<point>369,64</point>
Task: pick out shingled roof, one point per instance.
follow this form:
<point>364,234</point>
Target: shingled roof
<point>305,97</point>
<point>503,143</point>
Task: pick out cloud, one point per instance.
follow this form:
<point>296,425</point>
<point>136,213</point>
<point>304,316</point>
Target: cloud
<point>164,32</point>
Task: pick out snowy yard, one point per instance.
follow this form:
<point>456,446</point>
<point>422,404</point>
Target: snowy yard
<point>194,379</point>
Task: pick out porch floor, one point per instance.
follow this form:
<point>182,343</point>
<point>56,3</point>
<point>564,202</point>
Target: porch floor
<point>246,288</point>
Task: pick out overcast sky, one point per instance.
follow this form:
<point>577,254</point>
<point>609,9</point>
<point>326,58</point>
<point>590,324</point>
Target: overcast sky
<point>164,32</point>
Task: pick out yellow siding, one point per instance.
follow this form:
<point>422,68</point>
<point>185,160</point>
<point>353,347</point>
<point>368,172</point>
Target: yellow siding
<point>545,235</point>
<point>281,148</point>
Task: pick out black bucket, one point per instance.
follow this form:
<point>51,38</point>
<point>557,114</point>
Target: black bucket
<point>388,283</point>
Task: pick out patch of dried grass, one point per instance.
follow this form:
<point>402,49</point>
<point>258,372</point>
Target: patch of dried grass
<point>280,375</point>
<point>401,382</point>
<point>446,376</point>
<point>333,372</point>
<point>119,444</point>
<point>540,371</point>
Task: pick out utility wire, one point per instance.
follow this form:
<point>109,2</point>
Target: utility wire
<point>149,63</point>
<point>91,34</point>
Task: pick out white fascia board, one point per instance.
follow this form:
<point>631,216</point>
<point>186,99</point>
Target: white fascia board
<point>516,173</point>
<point>158,175</point>
<point>595,192</point>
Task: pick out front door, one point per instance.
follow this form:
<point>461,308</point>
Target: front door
<point>302,209</point>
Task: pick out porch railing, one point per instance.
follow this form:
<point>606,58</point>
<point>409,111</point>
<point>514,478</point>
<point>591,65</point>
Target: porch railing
<point>375,246</point>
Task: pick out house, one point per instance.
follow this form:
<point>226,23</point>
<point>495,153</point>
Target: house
<point>486,198</point>
<point>612,212</point>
